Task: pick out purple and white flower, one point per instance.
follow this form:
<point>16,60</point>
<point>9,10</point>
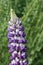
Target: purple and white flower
<point>17,47</point>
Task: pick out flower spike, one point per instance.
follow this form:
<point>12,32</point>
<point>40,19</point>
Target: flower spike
<point>16,36</point>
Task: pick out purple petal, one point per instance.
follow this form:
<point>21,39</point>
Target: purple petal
<point>24,55</point>
<point>10,30</point>
<point>19,55</point>
<point>26,63</point>
<point>10,35</point>
<point>21,28</point>
<point>11,58</point>
<point>11,46</point>
<point>13,41</point>
<point>12,64</point>
<point>22,34</point>
<point>11,50</point>
<point>14,54</point>
<point>17,61</point>
<point>17,48</point>
<point>23,48</point>
<point>15,26</point>
<point>21,41</point>
<point>21,63</point>
<point>17,33</point>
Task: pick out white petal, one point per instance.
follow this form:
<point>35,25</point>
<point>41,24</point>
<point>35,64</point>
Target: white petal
<point>10,23</point>
<point>17,45</point>
<point>20,61</point>
<point>13,62</point>
<point>23,54</point>
<point>12,32</point>
<point>20,32</point>
<point>16,59</point>
<point>13,44</point>
<point>24,60</point>
<point>14,53</point>
<point>22,45</point>
<point>17,30</point>
<point>19,53</point>
<point>15,37</point>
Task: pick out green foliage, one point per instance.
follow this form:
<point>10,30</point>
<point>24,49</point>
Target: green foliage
<point>31,14</point>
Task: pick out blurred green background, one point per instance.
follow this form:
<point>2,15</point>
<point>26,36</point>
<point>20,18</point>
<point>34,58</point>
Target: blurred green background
<point>30,13</point>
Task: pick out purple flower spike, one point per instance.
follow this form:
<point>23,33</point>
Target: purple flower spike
<point>17,47</point>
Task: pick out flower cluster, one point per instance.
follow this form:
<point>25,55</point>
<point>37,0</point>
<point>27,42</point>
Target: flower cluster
<point>17,41</point>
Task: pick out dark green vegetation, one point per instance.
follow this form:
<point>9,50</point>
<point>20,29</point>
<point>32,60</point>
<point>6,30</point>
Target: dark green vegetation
<point>31,14</point>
